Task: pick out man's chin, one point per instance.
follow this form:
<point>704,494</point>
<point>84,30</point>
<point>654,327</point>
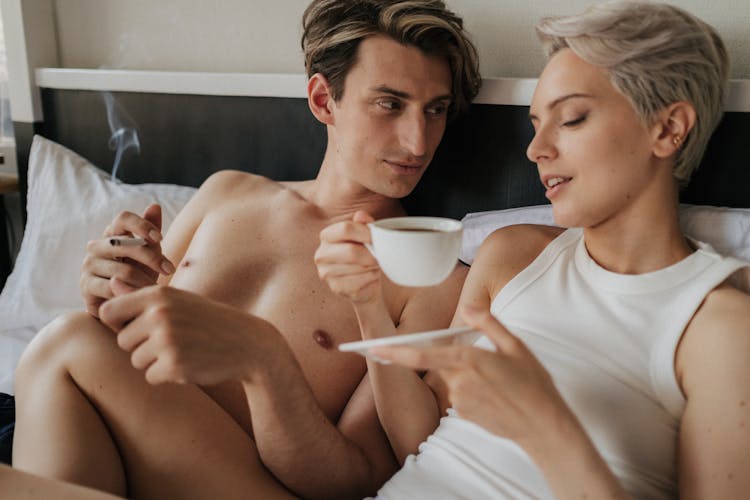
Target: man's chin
<point>400,190</point>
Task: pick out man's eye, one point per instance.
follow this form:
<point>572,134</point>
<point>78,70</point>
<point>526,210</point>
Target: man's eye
<point>440,109</point>
<point>389,105</point>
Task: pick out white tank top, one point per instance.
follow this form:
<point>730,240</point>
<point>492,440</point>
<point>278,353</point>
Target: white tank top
<point>609,342</point>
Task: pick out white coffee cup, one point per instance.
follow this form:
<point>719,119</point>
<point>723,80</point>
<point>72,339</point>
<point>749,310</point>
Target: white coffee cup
<point>416,251</point>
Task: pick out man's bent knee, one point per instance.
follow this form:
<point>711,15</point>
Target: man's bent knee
<point>65,339</point>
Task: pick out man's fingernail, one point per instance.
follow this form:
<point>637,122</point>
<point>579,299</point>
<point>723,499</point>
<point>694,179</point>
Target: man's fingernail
<point>154,235</point>
<point>167,267</point>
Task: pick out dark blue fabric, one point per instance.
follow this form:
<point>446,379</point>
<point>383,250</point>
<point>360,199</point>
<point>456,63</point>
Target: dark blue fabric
<point>7,424</point>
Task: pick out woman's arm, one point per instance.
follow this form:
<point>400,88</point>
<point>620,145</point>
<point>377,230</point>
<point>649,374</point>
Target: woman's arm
<point>713,369</point>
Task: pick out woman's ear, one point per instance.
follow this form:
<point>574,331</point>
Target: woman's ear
<point>319,99</point>
<point>672,126</point>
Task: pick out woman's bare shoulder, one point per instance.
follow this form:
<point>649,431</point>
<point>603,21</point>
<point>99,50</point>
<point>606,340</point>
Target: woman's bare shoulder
<point>509,250</point>
<point>519,242</point>
<point>720,326</point>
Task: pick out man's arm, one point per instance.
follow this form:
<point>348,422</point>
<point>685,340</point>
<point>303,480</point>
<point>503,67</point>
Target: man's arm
<point>304,450</point>
<point>713,371</point>
<point>178,336</point>
<point>213,192</point>
<point>405,404</point>
<point>109,270</point>
<point>352,458</point>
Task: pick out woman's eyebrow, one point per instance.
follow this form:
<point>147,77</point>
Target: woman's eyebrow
<point>575,95</point>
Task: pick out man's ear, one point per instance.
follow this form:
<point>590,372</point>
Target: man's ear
<point>672,126</point>
<point>319,99</point>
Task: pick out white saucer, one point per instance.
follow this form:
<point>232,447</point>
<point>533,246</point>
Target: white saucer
<point>419,339</point>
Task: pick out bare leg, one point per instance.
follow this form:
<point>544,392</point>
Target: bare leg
<point>21,485</point>
<point>85,415</point>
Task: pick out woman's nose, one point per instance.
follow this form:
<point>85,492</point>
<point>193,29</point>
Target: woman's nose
<point>541,146</point>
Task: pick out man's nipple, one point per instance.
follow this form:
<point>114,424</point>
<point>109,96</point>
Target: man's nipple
<point>322,339</point>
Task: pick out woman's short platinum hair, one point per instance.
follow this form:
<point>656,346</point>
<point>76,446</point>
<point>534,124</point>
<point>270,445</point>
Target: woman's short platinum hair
<point>656,54</point>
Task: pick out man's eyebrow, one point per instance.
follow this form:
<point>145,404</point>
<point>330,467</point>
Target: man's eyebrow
<point>405,95</point>
<point>575,95</point>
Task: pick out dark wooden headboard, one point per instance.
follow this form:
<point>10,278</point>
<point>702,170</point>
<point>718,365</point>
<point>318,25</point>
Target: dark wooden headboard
<point>480,165</point>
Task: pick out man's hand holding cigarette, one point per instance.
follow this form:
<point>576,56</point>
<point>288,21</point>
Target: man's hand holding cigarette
<point>128,257</point>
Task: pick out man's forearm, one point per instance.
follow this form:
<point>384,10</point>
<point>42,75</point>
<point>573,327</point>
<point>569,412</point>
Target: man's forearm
<point>295,439</point>
<point>406,405</point>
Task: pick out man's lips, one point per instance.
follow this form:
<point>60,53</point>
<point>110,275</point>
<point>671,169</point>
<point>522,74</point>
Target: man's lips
<point>405,167</point>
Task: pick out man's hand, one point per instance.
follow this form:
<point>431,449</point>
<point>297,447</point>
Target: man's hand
<point>344,262</point>
<point>178,336</point>
<point>108,271</point>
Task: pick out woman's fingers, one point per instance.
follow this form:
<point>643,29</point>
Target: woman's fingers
<point>482,319</point>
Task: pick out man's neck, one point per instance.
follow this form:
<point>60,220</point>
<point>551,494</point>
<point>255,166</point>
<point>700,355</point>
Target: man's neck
<point>339,198</point>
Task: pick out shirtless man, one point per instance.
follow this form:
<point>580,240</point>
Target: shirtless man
<point>261,403</point>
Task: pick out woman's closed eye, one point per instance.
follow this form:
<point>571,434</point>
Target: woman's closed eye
<point>575,121</point>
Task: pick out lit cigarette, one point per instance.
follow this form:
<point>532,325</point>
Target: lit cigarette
<point>127,241</point>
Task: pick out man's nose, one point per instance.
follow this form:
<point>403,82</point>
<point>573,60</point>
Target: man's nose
<point>413,134</point>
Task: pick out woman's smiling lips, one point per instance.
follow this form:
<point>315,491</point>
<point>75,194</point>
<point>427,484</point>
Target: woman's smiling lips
<point>554,183</point>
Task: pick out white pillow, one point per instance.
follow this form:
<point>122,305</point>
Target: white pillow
<point>69,203</point>
<point>725,229</point>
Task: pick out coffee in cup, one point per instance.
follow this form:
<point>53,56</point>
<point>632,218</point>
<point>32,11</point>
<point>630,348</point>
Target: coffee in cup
<point>416,251</point>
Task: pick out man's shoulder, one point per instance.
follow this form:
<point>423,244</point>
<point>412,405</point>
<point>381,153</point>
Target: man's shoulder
<point>230,180</point>
<point>229,185</point>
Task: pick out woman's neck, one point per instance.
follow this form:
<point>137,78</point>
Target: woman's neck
<point>644,237</point>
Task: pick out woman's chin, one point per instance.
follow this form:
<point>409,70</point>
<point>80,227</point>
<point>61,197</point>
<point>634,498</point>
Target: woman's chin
<point>563,218</point>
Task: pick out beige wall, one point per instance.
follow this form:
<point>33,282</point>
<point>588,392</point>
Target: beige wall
<point>263,35</point>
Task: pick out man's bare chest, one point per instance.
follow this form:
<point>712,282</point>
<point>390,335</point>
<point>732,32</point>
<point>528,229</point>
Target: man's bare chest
<point>267,272</point>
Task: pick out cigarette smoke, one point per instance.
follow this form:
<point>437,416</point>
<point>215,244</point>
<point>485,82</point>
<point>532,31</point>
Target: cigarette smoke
<point>124,131</point>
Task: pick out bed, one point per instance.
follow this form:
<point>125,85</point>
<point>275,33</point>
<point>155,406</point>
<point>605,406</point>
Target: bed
<point>190,125</point>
